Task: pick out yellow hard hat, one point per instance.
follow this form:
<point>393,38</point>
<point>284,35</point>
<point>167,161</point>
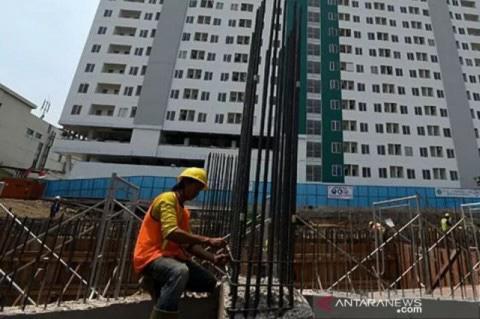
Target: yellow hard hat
<point>196,173</point>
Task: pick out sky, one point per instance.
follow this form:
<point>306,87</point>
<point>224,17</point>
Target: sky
<point>41,42</point>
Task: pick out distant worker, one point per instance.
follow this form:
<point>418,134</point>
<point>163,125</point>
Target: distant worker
<point>165,245</point>
<point>377,228</point>
<point>55,208</point>
<point>446,222</point>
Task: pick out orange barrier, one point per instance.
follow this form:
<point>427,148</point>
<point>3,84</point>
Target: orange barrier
<point>21,188</point>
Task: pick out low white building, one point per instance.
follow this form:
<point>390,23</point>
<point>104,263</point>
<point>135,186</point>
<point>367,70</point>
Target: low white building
<point>25,140</point>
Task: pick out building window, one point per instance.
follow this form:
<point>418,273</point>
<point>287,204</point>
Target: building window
<point>170,115</point>
<point>381,149</point>
<point>102,30</point>
<point>314,149</point>
<point>365,149</point>
<point>133,111</point>
<point>351,170</point>
<point>190,94</point>
<point>222,97</point>
<point>423,152</point>
<point>234,118</point>
<point>382,172</point>
<point>454,175</point>
<point>128,91</point>
<point>314,127</point>
<point>96,48</point>
<point>138,90</point>
<point>202,117</point>
<point>426,174</point>
<point>439,173</point>
<point>396,172</point>
<point>219,118</point>
<point>410,173</point>
<point>174,94</point>
<point>366,172</point>
<point>83,88</point>
<point>122,112</point>
<point>187,115</point>
<point>133,70</point>
<point>337,148</point>
<point>76,109</point>
<point>337,170</point>
<point>314,173</point>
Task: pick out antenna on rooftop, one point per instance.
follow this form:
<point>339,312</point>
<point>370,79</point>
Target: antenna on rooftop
<point>45,108</point>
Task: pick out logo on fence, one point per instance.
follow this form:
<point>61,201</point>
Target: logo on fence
<point>457,192</point>
<point>340,192</point>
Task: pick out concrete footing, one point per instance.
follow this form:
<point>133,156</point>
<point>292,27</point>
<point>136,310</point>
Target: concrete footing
<point>190,307</point>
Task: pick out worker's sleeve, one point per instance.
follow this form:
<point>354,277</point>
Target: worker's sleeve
<point>166,211</point>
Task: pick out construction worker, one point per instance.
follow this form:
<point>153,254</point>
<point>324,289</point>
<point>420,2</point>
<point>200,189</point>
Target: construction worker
<point>446,222</point>
<point>55,208</point>
<point>376,227</point>
<point>165,245</point>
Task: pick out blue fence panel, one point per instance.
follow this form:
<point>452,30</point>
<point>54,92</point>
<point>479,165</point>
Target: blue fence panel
<point>307,194</point>
<point>321,190</point>
<point>364,202</point>
<point>361,191</point>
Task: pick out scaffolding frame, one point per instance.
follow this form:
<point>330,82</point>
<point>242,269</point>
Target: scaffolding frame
<point>112,229</point>
<point>428,260</point>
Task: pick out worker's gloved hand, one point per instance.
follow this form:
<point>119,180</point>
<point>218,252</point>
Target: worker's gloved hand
<point>221,259</point>
<point>218,242</point>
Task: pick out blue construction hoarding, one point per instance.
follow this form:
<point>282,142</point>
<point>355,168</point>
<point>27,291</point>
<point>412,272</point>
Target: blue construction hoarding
<point>308,195</point>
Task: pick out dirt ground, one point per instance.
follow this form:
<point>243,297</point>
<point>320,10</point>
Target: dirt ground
<point>27,208</point>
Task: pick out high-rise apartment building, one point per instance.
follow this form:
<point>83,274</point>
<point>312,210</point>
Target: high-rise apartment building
<point>391,94</point>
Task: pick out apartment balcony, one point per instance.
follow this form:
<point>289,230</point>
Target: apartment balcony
<point>125,31</point>
<point>114,68</point>
<point>108,88</point>
<point>116,148</point>
<point>130,14</point>
<point>121,49</point>
<point>86,147</point>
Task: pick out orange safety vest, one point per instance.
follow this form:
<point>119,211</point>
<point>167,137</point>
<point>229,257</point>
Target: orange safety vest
<point>150,243</point>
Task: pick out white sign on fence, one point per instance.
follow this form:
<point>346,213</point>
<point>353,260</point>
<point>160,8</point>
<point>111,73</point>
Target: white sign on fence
<point>340,192</point>
<point>457,192</point>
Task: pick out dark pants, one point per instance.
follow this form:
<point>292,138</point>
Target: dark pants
<point>173,277</point>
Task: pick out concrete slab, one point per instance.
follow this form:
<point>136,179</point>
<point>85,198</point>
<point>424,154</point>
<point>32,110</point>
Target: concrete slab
<point>137,308</point>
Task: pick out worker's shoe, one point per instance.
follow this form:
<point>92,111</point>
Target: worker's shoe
<point>161,314</point>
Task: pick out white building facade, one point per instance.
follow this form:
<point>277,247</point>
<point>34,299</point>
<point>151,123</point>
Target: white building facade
<point>26,141</point>
<point>405,101</point>
<point>160,84</point>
